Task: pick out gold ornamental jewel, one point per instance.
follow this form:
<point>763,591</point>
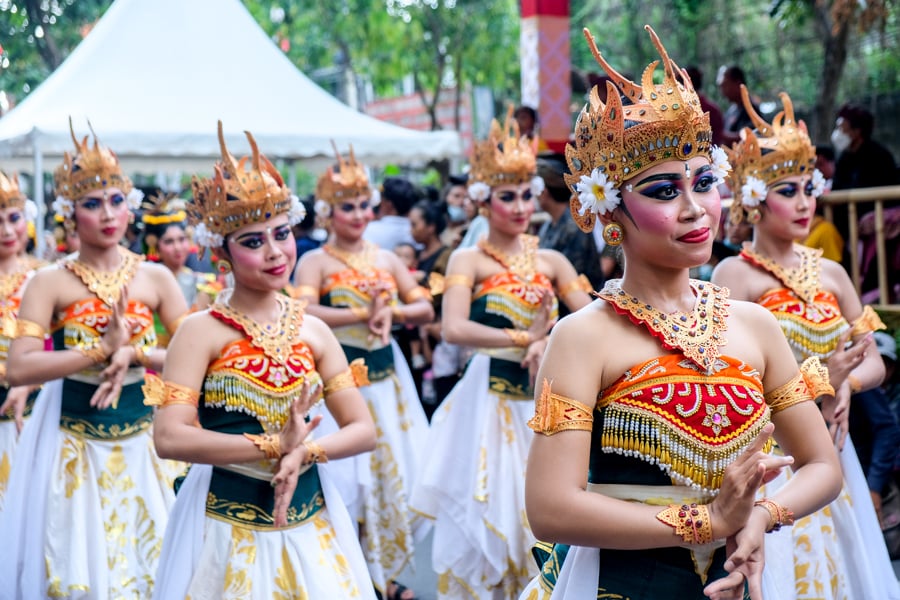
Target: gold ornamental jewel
<point>580,283</point>
<point>237,195</point>
<point>356,375</point>
<point>779,516</point>
<point>793,392</point>
<point>362,262</point>
<point>803,279</point>
<point>436,283</point>
<point>25,328</point>
<point>10,195</point>
<point>458,279</point>
<point>505,157</point>
<point>268,443</point>
<point>769,152</point>
<point>666,123</point>
<point>163,209</point>
<point>106,285</point>
<point>691,522</point>
<point>698,334</point>
<point>164,393</point>
<point>276,340</point>
<point>417,293</point>
<point>522,264</point>
<point>554,413</point>
<point>10,284</point>
<point>816,376</point>
<point>88,169</point>
<point>347,181</point>
<point>867,322</point>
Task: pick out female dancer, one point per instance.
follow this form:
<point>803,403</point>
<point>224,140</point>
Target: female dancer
<point>15,270</point>
<point>89,498</point>
<point>165,241</point>
<point>838,552</point>
<point>256,516</point>
<point>354,286</point>
<point>499,298</point>
<point>659,395</point>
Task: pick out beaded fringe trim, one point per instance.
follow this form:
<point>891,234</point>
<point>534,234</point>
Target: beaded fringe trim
<point>232,392</point>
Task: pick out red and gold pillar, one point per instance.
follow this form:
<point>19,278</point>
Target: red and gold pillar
<point>546,67</point>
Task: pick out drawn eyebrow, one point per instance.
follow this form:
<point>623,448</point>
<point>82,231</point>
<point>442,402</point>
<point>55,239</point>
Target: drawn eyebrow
<point>659,177</point>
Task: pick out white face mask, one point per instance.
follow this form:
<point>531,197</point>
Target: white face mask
<point>840,140</point>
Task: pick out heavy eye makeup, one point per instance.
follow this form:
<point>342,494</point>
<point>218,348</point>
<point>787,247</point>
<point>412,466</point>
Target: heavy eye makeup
<point>256,239</point>
<point>667,186</point>
<point>511,196</point>
<point>788,190</point>
<point>349,207</point>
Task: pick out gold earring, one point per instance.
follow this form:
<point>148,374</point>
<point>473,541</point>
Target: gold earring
<point>613,234</point>
<point>753,216</point>
<point>223,266</point>
<point>483,211</point>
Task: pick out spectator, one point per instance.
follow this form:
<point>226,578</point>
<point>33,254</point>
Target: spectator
<point>455,196</point>
<point>304,229</point>
<point>736,116</point>
<point>716,121</point>
<point>397,198</point>
<point>823,233</point>
<point>528,120</point>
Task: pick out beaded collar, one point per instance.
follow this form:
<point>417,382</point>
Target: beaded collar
<point>275,340</point>
<point>697,334</point>
<point>106,285</point>
<point>362,262</point>
<point>803,279</point>
<point>523,264</point>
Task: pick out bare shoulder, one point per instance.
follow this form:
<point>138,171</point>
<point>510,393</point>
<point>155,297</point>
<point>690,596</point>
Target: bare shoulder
<point>157,271</point>
<point>729,268</point>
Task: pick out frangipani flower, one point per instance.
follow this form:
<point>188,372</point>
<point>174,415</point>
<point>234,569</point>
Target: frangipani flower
<point>753,192</point>
<point>323,209</point>
<point>205,237</point>
<point>63,207</point>
<point>375,198</point>
<point>297,211</point>
<point>720,165</point>
<point>537,186</point>
<point>479,191</point>
<point>597,194</point>
<point>818,183</point>
<point>134,199</point>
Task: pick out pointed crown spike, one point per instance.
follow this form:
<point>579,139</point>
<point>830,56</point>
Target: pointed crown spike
<point>638,126</point>
<point>162,209</point>
<point>504,157</point>
<point>236,196</point>
<point>770,152</point>
<point>10,194</point>
<point>348,181</point>
<point>88,168</point>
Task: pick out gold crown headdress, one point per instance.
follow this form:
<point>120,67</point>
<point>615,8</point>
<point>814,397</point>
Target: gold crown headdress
<point>665,122</point>
<point>163,209</point>
<point>349,181</point>
<point>504,157</point>
<point>766,154</point>
<point>236,196</point>
<point>89,168</point>
<point>10,194</point>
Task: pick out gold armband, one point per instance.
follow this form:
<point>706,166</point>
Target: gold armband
<point>580,284</point>
<point>95,353</point>
<point>417,293</point>
<point>436,283</point>
<point>26,328</point>
<point>173,326</point>
<point>779,516</point>
<point>795,391</point>
<point>356,375</point>
<point>451,280</point>
<point>302,291</point>
<point>854,383</point>
<point>269,444</point>
<point>691,522</point>
<point>867,322</point>
<point>554,413</point>
<point>141,357</point>
<point>314,453</point>
<point>519,338</point>
<point>161,393</point>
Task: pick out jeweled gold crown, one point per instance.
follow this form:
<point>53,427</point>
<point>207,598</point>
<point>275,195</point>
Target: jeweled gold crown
<point>504,157</point>
<point>348,181</point>
<point>236,196</point>
<point>162,209</point>
<point>664,122</point>
<point>768,152</point>
<point>88,169</point>
<point>10,194</point>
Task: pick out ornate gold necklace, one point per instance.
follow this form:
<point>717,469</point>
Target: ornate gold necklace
<point>523,264</point>
<point>697,334</point>
<point>106,285</point>
<point>10,284</point>
<point>276,340</point>
<point>803,279</point>
<point>362,262</point>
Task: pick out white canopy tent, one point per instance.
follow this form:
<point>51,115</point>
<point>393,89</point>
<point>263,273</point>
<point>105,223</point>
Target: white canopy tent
<point>154,76</point>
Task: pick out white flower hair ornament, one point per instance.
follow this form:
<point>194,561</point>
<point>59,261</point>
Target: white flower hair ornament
<point>753,192</point>
<point>322,208</point>
<point>134,199</point>
<point>818,183</point>
<point>537,186</point>
<point>31,211</point>
<point>479,191</point>
<point>375,198</point>
<point>297,212</point>
<point>720,165</point>
<point>63,207</point>
<point>597,194</point>
<point>206,238</point>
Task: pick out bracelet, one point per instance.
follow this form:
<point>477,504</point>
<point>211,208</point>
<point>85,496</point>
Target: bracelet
<point>95,353</point>
<point>855,383</point>
<point>314,453</point>
<point>779,516</point>
<point>692,522</point>
<point>360,313</point>
<point>270,444</point>
<point>519,338</point>
<point>141,357</point>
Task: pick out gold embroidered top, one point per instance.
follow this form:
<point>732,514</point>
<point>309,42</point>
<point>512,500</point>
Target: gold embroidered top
<point>11,287</point>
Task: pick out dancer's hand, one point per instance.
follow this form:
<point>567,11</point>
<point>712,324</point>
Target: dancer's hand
<point>533,356</point>
<point>746,558</point>
<point>743,477</point>
<point>542,321</point>
<point>14,405</point>
<point>843,360</point>
<point>107,393</point>
<point>285,482</point>
<point>836,411</point>
<point>118,331</point>
<point>296,428</point>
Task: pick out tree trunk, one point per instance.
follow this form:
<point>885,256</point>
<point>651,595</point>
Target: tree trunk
<point>834,39</point>
<point>45,45</point>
